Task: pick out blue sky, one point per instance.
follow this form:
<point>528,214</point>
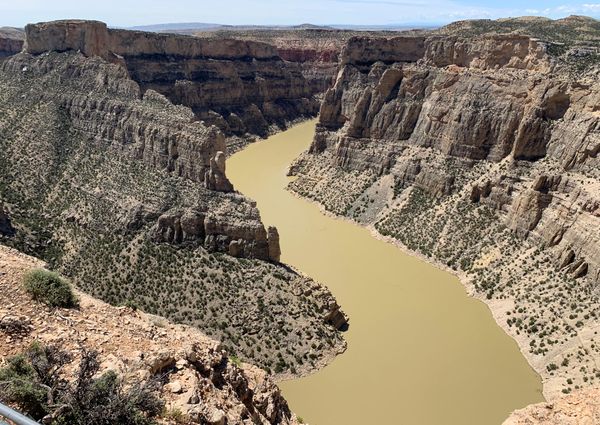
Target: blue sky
<point>371,12</point>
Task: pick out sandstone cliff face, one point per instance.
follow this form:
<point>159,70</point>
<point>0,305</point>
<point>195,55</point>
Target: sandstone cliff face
<point>440,93</point>
<point>127,194</point>
<point>316,51</point>
<point>243,87</point>
<point>490,99</point>
<point>11,41</point>
<point>493,143</point>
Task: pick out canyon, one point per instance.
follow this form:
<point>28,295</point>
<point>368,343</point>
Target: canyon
<point>113,148</point>
<point>243,87</point>
<point>125,193</point>
<point>492,140</point>
<point>431,341</point>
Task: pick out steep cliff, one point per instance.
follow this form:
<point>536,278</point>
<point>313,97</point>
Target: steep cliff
<point>315,50</point>
<point>127,194</point>
<point>243,87</point>
<point>11,41</point>
<point>492,142</point>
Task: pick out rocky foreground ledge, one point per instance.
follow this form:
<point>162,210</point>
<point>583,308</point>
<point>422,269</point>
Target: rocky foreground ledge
<point>198,379</point>
<point>580,408</point>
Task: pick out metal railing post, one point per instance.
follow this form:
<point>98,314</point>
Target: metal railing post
<point>14,416</point>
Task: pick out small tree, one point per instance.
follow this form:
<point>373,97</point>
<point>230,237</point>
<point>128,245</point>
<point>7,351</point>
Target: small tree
<point>49,288</point>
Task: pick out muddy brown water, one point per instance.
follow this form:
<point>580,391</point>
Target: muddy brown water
<point>420,351</point>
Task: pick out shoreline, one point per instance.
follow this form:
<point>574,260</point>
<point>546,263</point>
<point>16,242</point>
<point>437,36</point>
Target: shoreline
<point>461,276</point>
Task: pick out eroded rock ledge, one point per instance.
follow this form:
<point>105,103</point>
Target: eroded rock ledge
<point>243,87</point>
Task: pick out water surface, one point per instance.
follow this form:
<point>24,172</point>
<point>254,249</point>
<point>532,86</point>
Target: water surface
<point>420,351</point>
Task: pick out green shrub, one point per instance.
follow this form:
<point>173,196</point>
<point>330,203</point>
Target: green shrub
<point>32,381</point>
<point>235,360</point>
<point>49,288</point>
<point>131,304</point>
<point>18,385</point>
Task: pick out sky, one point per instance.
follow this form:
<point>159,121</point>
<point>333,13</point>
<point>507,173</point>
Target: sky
<point>124,13</point>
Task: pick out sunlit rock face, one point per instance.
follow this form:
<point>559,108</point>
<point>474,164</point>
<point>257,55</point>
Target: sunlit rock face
<point>491,99</point>
<point>243,87</point>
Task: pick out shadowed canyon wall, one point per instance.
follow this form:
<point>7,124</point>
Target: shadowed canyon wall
<point>243,87</point>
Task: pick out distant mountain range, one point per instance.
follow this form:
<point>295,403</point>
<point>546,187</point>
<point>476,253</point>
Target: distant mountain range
<point>202,26</point>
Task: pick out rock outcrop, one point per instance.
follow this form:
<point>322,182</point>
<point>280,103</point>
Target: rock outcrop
<point>492,141</point>
<point>243,87</point>
<point>580,408</point>
<point>274,249</point>
<point>126,193</point>
<point>215,178</point>
<point>11,41</point>
<point>197,377</point>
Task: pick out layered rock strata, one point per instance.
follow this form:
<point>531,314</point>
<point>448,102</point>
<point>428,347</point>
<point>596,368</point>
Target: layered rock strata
<point>493,143</point>
<point>243,87</point>
<point>127,194</point>
<point>11,41</point>
<point>316,51</point>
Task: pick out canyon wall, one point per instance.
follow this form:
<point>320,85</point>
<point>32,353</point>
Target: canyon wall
<point>127,194</point>
<point>490,100</point>
<point>11,41</point>
<point>493,143</point>
<point>105,106</point>
<point>316,51</point>
<point>243,87</point>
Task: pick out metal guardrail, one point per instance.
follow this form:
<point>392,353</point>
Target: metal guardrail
<point>19,419</point>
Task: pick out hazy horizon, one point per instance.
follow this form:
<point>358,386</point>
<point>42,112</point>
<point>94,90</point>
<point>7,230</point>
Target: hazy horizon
<point>269,12</point>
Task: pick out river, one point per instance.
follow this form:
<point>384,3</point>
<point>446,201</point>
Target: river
<point>420,351</point>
